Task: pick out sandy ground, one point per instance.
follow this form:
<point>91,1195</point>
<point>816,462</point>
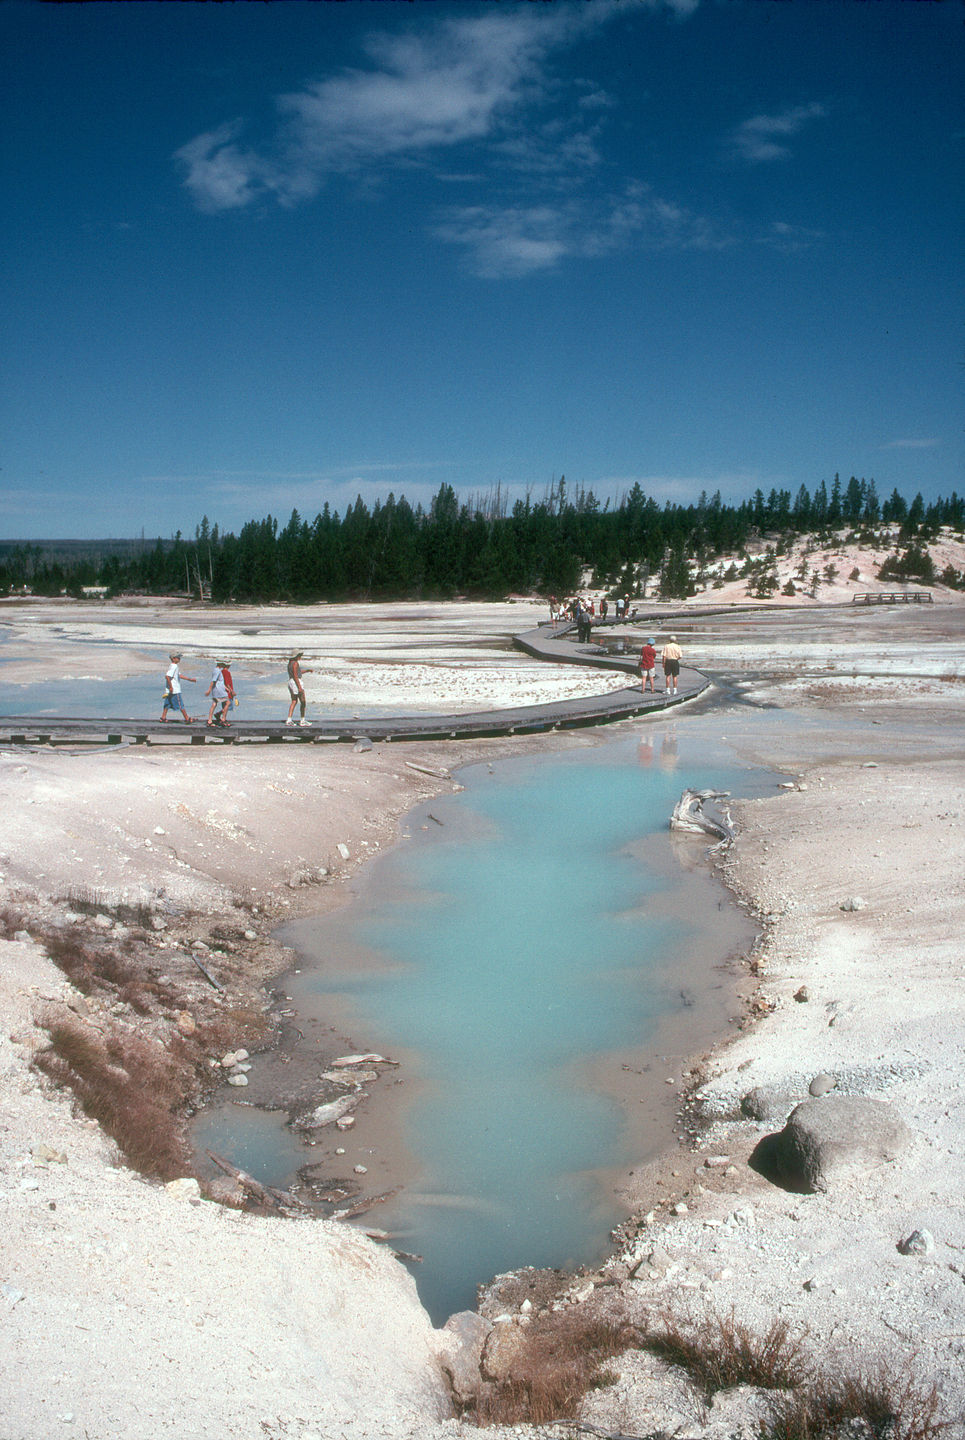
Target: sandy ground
<point>132,1311</point>
<point>358,659</point>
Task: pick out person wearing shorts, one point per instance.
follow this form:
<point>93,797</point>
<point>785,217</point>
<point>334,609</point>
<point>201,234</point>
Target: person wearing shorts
<point>670,659</point>
<point>295,688</point>
<point>648,665</point>
<point>172,690</point>
<point>218,690</point>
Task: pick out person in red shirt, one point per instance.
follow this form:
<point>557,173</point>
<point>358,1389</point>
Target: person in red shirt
<point>648,665</point>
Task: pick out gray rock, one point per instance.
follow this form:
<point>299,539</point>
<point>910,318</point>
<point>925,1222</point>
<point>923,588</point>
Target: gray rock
<point>502,1350</point>
<point>855,903</point>
<point>768,1105</point>
<point>822,1084</point>
<point>802,995</point>
<point>919,1242</point>
<point>826,1139</point>
<point>328,1114</point>
<point>463,1354</point>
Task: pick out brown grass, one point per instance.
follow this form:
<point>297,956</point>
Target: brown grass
<point>563,1357</point>
<point>108,969</point>
<point>560,1360</point>
<point>871,1405</point>
<point>133,1087</point>
<point>719,1353</point>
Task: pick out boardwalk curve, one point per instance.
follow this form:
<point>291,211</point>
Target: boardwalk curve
<point>554,645</point>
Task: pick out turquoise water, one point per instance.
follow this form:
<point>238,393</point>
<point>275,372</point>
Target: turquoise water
<point>503,949</point>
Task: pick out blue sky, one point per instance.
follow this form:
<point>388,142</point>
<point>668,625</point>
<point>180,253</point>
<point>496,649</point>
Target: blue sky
<point>259,257</point>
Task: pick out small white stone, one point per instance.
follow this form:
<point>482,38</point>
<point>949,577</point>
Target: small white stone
<point>238,1079</point>
<point>186,1188</point>
<point>361,1170</point>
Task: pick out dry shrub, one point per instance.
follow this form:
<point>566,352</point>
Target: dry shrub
<point>560,1360</point>
<point>719,1353</point>
<point>88,901</point>
<point>229,1028</point>
<point>133,1087</point>
<point>108,969</point>
<point>875,1405</point>
<point>10,922</point>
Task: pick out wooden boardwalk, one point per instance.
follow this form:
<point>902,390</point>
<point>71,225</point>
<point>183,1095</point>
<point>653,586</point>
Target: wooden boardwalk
<point>553,645</point>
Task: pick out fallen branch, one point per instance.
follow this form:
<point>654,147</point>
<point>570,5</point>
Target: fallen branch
<point>428,770</point>
<point>263,1194</point>
<point>360,1206</point>
<point>207,974</point>
<point>617,1434</point>
<point>689,815</point>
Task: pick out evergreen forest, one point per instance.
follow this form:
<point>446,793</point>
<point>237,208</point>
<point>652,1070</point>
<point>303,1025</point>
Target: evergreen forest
<point>483,549</point>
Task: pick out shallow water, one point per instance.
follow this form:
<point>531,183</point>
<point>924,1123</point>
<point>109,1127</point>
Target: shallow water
<point>500,953</point>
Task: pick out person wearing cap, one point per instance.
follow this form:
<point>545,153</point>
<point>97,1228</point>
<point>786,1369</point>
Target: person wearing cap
<point>172,690</point>
<point>670,659</point>
<point>220,694</point>
<point>295,687</point>
<point>648,666</point>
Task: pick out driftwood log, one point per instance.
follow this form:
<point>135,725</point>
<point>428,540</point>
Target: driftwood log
<point>265,1195</point>
<point>689,815</point>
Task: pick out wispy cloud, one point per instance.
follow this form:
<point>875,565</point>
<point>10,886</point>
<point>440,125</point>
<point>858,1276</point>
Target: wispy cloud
<point>790,238</point>
<point>763,137</point>
<point>501,241</point>
<point>459,81</point>
<point>910,444</point>
<point>684,489</point>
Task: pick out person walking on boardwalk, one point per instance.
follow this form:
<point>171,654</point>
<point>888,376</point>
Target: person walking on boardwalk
<point>229,685</point>
<point>172,690</point>
<point>220,695</point>
<point>648,666</point>
<point>670,658</point>
<point>295,687</point>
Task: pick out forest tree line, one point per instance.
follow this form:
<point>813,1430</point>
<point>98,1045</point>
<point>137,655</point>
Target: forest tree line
<point>482,549</point>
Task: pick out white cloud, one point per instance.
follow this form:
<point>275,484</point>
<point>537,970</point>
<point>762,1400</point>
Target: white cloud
<point>450,83</point>
<point>762,137</point>
<point>506,241</point>
<point>219,175</point>
<point>478,79</point>
<point>789,238</point>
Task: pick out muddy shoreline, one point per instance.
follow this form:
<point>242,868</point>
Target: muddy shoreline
<point>713,973</point>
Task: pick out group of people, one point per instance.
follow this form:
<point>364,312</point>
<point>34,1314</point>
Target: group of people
<point>670,657</point>
<point>587,607</point>
<point>221,689</point>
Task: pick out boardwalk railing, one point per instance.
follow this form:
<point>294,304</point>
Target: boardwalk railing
<point>894,597</point>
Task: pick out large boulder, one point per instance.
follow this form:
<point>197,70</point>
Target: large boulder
<point>828,1138</point>
<point>461,1346</point>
